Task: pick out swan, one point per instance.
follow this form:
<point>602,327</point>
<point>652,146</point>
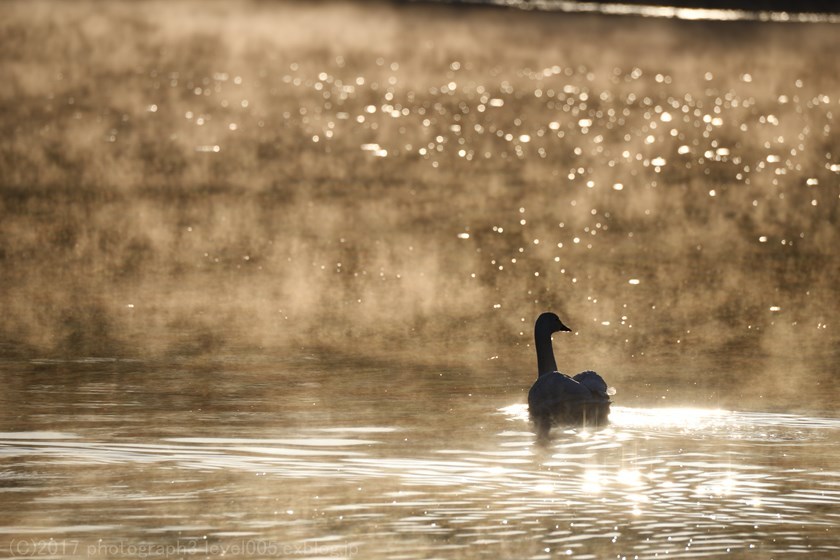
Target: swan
<point>556,398</point>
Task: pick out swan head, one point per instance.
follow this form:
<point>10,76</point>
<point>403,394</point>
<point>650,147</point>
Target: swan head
<point>551,323</point>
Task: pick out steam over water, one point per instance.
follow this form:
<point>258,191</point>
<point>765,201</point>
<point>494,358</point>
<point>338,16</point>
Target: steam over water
<point>269,274</point>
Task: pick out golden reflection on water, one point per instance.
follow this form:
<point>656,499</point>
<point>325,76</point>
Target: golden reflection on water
<point>623,417</point>
<point>686,418</point>
<point>672,481</point>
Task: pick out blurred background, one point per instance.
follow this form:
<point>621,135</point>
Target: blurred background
<point>416,182</point>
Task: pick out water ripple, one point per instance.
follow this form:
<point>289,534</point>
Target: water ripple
<point>681,482</point>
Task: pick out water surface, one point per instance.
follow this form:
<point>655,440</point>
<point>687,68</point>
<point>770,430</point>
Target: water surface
<point>265,458</point>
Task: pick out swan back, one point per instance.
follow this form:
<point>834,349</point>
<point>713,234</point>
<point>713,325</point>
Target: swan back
<point>556,398</point>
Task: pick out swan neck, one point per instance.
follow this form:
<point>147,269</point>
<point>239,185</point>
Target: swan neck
<point>545,352</point>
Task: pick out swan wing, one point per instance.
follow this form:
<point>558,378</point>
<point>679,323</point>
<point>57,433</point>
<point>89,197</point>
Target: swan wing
<point>592,381</point>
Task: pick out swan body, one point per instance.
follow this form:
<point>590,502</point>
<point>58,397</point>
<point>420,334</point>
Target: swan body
<point>555,398</point>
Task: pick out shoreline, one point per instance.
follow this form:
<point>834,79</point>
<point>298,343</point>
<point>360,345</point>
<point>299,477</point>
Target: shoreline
<point>815,12</point>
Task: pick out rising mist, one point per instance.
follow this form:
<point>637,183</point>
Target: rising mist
<point>196,179</point>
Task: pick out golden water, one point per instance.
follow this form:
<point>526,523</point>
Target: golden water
<point>318,460</point>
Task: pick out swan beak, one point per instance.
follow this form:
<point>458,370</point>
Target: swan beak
<point>564,328</point>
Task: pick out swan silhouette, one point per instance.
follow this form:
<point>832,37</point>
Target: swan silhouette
<point>555,398</point>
